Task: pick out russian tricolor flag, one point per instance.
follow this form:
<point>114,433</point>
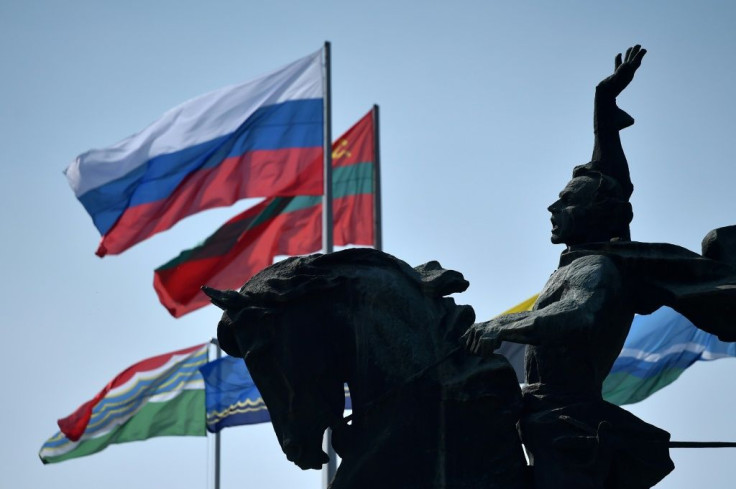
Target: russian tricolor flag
<point>263,138</point>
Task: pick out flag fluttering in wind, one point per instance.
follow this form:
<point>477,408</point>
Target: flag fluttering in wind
<point>262,138</point>
<point>231,396</point>
<point>158,396</point>
<point>248,242</point>
<point>659,347</point>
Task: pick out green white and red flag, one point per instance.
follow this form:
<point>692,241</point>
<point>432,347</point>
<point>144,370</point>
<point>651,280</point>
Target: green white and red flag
<point>250,241</point>
<point>158,396</point>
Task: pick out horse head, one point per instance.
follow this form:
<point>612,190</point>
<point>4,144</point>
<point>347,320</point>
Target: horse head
<point>298,324</point>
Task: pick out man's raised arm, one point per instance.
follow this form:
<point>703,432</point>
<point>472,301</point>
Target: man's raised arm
<point>608,119</point>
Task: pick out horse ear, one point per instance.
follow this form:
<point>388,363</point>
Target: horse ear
<point>227,300</point>
<point>438,282</point>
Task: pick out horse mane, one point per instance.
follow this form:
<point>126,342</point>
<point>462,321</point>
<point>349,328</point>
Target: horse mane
<point>296,277</point>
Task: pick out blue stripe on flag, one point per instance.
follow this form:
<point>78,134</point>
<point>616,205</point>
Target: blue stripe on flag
<point>666,339</point>
<point>230,390</point>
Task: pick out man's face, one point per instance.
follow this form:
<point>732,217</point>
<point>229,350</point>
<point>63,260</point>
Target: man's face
<point>571,219</point>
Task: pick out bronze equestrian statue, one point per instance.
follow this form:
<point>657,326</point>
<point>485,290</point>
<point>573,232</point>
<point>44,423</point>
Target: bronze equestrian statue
<point>433,406</point>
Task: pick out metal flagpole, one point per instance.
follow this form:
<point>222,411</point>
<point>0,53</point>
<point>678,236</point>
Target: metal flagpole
<point>377,223</point>
<point>327,230</point>
<point>701,444</point>
<point>328,472</point>
<point>218,355</point>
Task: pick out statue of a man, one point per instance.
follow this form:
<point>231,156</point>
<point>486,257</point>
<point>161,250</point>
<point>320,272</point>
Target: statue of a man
<point>582,317</point>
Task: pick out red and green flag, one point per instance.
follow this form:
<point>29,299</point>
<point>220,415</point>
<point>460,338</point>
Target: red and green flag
<point>250,241</point>
<point>158,396</point>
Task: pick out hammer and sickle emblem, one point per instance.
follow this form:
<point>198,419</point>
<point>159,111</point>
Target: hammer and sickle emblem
<point>341,150</point>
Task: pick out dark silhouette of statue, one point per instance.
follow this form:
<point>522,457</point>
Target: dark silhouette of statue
<point>427,414</point>
<point>577,328</point>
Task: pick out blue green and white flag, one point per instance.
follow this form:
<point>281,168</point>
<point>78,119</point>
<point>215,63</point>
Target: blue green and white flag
<point>659,348</point>
<point>158,396</point>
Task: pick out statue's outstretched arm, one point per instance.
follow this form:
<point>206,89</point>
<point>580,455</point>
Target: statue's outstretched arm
<point>552,324</point>
<point>585,298</point>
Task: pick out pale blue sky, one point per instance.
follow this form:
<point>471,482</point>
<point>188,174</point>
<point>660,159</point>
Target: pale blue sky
<point>486,107</point>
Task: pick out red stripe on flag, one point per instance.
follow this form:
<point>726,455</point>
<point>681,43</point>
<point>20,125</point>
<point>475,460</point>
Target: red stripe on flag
<point>293,233</point>
<point>356,145</point>
<point>255,174</point>
<point>353,220</point>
